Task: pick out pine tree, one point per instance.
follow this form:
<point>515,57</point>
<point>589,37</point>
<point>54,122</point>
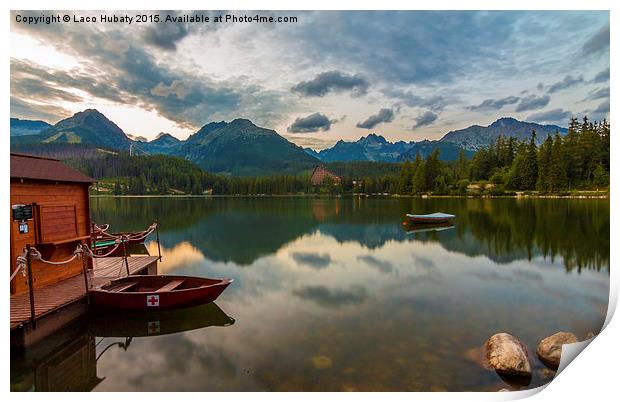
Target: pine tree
<point>557,179</point>
<point>462,166</point>
<point>418,183</point>
<point>404,181</point>
<point>600,177</point>
<point>544,164</point>
<point>530,173</point>
<point>432,169</point>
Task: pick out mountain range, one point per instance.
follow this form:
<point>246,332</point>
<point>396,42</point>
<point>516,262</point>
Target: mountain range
<point>238,147</point>
<point>241,148</point>
<point>476,137</point>
<point>376,148</point>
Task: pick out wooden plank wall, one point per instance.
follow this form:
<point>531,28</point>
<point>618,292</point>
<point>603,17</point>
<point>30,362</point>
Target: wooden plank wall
<point>62,214</point>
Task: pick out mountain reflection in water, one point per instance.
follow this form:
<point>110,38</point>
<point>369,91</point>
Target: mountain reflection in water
<point>337,294</point>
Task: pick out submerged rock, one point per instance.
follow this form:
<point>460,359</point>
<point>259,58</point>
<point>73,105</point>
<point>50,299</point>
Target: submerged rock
<point>549,350</point>
<point>508,356</point>
<point>321,362</point>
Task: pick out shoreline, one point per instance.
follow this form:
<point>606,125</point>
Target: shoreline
<point>518,196</point>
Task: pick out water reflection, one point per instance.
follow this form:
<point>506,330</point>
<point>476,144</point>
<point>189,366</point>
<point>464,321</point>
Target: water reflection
<point>67,361</point>
<point>243,230</point>
<point>337,295</point>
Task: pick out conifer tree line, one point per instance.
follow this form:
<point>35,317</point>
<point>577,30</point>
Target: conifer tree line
<point>577,161</point>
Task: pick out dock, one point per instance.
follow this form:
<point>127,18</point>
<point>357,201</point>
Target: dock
<point>59,303</point>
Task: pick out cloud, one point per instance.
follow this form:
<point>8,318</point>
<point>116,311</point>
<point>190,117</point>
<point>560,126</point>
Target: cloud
<point>532,102</point>
<point>26,110</point>
<point>435,103</point>
<point>567,82</point>
<point>383,266</point>
<point>603,76</point>
<point>495,104</point>
<point>165,36</point>
<point>332,81</point>
<point>599,93</point>
<point>384,115</point>
<point>402,47</point>
<point>555,116</point>
<point>601,112</point>
<point>311,124</point>
<point>326,297</point>
<point>125,72</point>
<point>310,142</point>
<point>597,42</point>
<point>313,260</point>
<point>603,107</point>
<point>425,119</point>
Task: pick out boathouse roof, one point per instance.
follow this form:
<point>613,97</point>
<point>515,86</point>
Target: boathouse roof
<point>41,168</point>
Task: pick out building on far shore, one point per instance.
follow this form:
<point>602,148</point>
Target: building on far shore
<point>320,174</point>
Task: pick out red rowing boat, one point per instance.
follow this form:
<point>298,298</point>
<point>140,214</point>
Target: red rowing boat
<point>152,292</point>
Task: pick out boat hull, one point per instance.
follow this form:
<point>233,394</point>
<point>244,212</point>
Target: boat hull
<point>146,297</point>
<point>429,220</point>
<point>435,218</point>
<point>138,323</point>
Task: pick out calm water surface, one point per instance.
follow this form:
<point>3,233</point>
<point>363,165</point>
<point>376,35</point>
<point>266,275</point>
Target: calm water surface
<point>336,294</point>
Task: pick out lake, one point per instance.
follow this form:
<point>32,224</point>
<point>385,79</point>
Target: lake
<point>337,294</point>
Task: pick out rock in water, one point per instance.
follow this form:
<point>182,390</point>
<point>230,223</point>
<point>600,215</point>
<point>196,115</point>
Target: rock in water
<point>508,355</point>
<point>549,349</point>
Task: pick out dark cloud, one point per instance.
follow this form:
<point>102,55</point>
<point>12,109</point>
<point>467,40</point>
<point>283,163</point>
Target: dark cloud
<point>597,42</point>
<point>311,124</point>
<point>383,116</point>
<point>599,93</point>
<point>326,297</point>
<point>555,116</point>
<point>26,110</point>
<point>603,76</point>
<point>383,266</point>
<point>165,36</point>
<point>313,260</point>
<point>532,102</point>
<point>401,47</point>
<point>567,82</point>
<point>45,85</point>
<point>425,119</point>
<point>333,81</point>
<point>435,103</point>
<point>495,104</point>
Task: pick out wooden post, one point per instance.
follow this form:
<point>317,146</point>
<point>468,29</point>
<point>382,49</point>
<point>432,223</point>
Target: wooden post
<point>158,246</point>
<point>125,255</point>
<point>30,287</point>
<point>85,272</point>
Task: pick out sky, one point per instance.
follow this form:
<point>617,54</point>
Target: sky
<point>328,76</point>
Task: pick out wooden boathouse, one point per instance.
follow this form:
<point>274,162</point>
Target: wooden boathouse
<point>49,209</point>
<point>50,216</point>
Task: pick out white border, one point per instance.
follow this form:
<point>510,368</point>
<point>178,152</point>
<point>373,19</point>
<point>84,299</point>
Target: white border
<point>591,376</point>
